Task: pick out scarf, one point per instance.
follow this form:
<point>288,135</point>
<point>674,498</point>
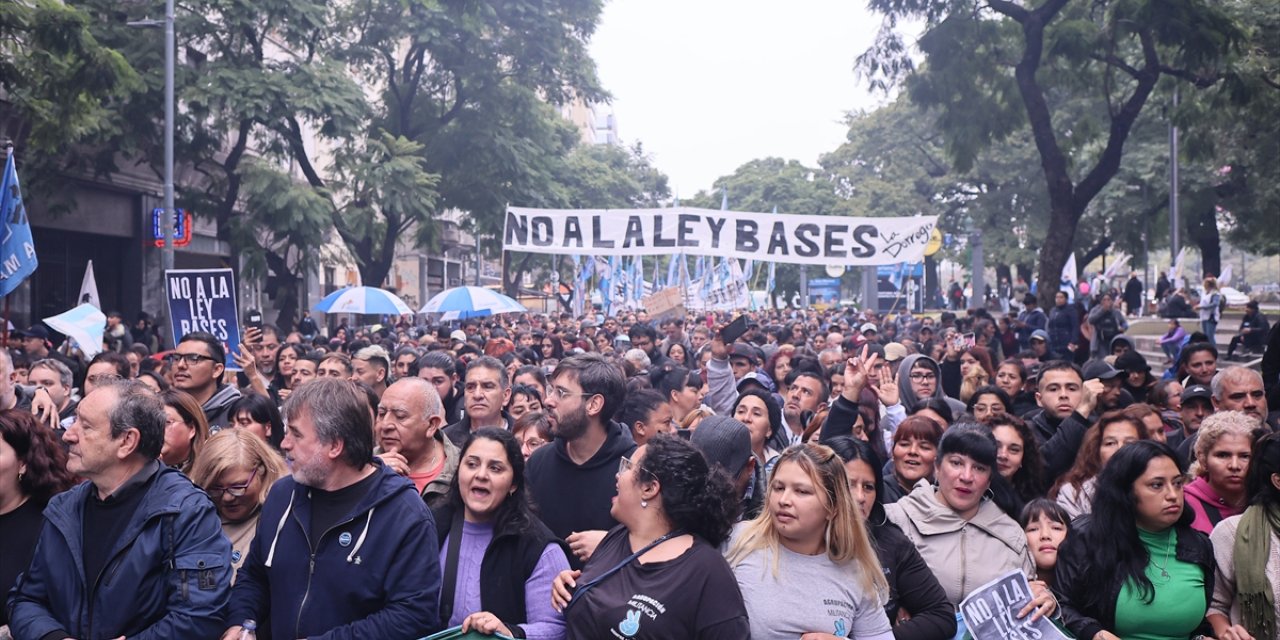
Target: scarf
<point>1252,552</point>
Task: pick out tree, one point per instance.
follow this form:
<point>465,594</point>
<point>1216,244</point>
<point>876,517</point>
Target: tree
<point>992,65</point>
<point>764,184</point>
<point>60,82</point>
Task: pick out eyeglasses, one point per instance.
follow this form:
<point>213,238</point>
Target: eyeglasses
<point>191,359</point>
<point>625,464</point>
<point>236,490</point>
<point>102,378</point>
<point>561,392</point>
<point>923,377</point>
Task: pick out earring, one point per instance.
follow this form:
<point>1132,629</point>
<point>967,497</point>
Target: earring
<point>989,495</point>
<point>644,504</point>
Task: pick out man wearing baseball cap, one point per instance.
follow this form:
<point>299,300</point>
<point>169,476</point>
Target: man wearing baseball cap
<point>35,343</point>
<point>1197,404</point>
<point>1113,395</point>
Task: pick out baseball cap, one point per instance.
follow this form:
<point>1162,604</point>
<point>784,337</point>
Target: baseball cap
<point>1040,334</point>
<point>894,351</point>
<point>754,378</point>
<point>723,441</point>
<point>744,350</point>
<point>1197,391</point>
<point>459,335</point>
<point>868,326</point>
<point>33,331</point>
<point>1099,369</point>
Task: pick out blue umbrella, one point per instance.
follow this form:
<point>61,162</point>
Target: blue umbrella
<point>460,303</point>
<point>369,300</point>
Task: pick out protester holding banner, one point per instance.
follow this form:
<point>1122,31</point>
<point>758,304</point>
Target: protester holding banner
<point>958,528</point>
<point>1135,567</point>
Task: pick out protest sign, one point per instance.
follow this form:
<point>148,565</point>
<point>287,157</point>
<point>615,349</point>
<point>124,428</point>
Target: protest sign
<point>990,612</point>
<point>796,239</point>
<point>205,300</point>
<point>663,304</point>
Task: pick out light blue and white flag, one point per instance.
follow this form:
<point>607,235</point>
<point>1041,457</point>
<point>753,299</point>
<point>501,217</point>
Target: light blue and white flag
<point>84,324</point>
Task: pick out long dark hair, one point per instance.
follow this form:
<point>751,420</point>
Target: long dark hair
<point>262,410</point>
<point>849,449</point>
<point>34,445</point>
<point>1264,463</point>
<point>695,497</point>
<point>1027,481</point>
<point>514,514</point>
<point>1112,535</point>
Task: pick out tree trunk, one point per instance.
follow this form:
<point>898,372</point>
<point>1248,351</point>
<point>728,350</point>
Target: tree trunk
<point>511,277</point>
<point>1054,252</point>
<point>282,288</point>
<point>1202,229</point>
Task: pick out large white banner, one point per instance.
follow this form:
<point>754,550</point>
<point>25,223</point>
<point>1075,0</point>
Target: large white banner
<point>796,239</point>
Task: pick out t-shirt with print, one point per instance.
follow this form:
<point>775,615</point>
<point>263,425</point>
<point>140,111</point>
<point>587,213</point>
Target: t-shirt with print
<point>691,596</point>
<point>807,594</point>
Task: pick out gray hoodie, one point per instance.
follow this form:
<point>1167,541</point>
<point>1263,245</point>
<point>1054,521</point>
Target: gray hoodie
<point>908,395</point>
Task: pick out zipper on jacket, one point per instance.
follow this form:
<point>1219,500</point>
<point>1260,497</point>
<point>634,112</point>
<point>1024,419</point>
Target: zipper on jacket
<point>97,581</point>
<point>311,571</point>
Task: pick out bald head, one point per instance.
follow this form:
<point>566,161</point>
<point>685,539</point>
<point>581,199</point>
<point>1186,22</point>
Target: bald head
<point>421,393</point>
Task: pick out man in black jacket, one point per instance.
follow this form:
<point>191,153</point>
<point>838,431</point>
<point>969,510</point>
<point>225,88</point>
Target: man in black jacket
<point>1253,331</point>
<point>1066,401</point>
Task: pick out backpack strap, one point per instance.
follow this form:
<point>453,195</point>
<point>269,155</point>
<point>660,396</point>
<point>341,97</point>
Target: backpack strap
<point>449,586</point>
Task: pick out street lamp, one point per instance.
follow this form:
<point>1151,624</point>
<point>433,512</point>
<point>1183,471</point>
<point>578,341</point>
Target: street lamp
<point>167,220</point>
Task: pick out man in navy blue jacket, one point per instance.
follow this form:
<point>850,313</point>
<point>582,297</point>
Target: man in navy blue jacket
<point>137,550</point>
<point>345,547</point>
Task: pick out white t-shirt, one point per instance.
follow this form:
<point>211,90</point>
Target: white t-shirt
<point>807,594</point>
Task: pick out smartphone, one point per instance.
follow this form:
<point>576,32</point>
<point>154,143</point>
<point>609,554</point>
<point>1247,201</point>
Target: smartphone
<point>253,319</point>
<point>734,330</point>
<point>969,340</point>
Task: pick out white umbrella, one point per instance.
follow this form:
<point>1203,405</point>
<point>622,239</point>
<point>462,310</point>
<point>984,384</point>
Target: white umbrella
<point>460,303</point>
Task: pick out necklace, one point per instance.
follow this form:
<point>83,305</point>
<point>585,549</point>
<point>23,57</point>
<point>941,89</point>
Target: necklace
<point>1168,547</point>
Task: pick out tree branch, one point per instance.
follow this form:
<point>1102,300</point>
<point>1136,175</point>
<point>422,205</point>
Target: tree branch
<point>299,153</point>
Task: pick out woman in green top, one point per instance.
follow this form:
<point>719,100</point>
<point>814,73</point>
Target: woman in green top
<point>1135,569</point>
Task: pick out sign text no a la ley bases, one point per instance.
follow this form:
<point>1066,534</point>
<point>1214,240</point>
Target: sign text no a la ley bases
<point>205,300</point>
<point>796,239</point>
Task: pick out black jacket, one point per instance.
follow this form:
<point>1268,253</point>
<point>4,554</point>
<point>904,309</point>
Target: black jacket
<point>1085,611</point>
<point>1059,441</point>
<point>458,432</point>
<point>912,585</point>
<point>508,562</point>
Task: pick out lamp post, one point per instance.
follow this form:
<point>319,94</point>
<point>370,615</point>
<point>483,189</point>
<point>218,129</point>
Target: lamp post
<point>167,219</point>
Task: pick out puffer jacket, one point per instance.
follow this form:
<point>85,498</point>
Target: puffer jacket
<point>964,554</point>
<point>168,576</point>
<point>374,574</point>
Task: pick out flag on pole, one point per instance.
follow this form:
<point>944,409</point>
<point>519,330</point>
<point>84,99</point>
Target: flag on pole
<point>85,324</point>
<point>673,270</point>
<point>89,287</point>
<point>1069,272</point>
<point>769,283</point>
<point>724,199</point>
<point>1225,278</point>
<point>17,249</point>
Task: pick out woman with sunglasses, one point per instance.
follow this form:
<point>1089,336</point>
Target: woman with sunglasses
<point>660,574</point>
<point>237,468</point>
<point>1134,568</point>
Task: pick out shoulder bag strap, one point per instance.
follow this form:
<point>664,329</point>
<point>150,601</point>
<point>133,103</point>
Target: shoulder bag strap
<point>450,583</point>
<point>584,588</point>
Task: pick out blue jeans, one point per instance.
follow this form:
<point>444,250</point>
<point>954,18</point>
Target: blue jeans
<point>1210,328</point>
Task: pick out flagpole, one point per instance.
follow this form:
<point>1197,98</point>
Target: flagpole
<point>8,152</point>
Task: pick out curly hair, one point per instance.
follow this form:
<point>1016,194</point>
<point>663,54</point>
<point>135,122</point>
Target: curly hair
<point>695,497</point>
<point>1028,480</point>
<point>46,474</point>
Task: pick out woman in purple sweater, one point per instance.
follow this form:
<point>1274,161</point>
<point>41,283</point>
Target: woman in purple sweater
<point>498,559</point>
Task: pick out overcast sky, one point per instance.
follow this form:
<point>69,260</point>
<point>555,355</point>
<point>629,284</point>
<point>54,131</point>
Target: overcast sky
<point>708,85</point>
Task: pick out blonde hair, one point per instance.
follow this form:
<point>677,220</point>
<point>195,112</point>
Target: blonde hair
<point>847,539</point>
<point>1214,427</point>
<point>976,379</point>
<point>1211,284</point>
<point>237,449</point>
<point>691,420</point>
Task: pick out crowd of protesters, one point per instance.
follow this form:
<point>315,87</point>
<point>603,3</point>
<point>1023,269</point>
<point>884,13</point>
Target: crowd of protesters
<point>794,474</point>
